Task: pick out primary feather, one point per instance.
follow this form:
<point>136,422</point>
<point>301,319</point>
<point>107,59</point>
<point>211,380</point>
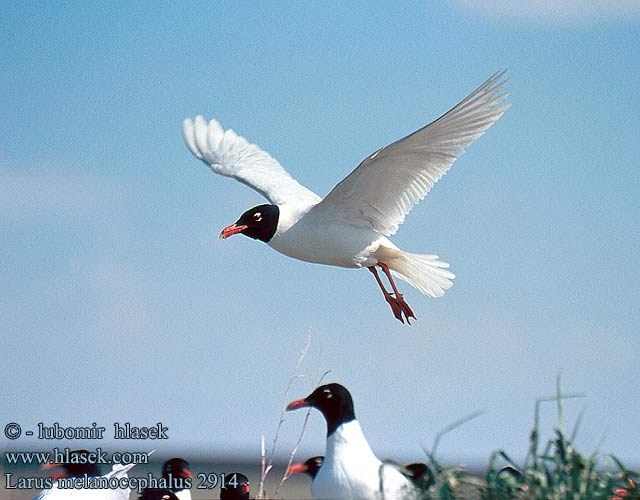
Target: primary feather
<point>383,189</point>
<point>232,155</point>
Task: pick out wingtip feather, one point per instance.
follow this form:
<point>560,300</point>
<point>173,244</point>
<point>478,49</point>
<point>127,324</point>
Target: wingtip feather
<point>188,134</point>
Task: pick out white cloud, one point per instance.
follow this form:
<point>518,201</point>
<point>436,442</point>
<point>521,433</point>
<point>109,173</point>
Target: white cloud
<point>554,11</point>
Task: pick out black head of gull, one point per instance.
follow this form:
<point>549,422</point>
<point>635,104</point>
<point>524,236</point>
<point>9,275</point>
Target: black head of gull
<point>236,487</point>
<point>155,494</point>
<point>310,467</point>
<point>176,467</point>
<point>176,474</point>
<point>259,223</point>
<point>416,470</point>
<point>77,466</point>
<point>420,474</point>
<point>334,402</point>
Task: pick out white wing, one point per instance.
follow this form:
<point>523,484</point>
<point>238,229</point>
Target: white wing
<point>383,189</point>
<point>393,484</point>
<point>231,155</point>
<point>183,494</point>
<point>117,471</point>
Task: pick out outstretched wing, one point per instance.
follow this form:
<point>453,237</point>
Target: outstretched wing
<point>383,189</point>
<point>231,155</point>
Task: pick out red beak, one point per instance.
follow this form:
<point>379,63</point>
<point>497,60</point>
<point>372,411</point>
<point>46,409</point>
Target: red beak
<point>57,474</point>
<point>186,474</point>
<point>298,403</point>
<point>231,230</point>
<point>297,469</point>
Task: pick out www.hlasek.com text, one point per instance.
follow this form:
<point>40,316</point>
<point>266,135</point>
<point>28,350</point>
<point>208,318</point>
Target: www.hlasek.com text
<point>66,456</point>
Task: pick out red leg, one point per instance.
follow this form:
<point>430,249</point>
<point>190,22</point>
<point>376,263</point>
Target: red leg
<point>399,298</point>
<point>395,307</point>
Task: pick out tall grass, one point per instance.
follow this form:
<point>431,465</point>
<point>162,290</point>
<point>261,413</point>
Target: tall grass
<point>552,470</point>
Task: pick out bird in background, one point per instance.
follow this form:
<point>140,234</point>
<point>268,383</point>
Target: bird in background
<point>158,494</point>
<point>311,466</point>
<point>350,469</point>
<point>177,481</point>
<point>418,472</point>
<point>350,226</point>
<point>236,487</point>
<point>73,469</point>
<point>80,467</point>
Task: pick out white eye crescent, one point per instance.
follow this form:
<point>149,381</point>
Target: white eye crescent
<point>257,217</point>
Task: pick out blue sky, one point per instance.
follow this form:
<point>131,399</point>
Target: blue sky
<point>119,302</point>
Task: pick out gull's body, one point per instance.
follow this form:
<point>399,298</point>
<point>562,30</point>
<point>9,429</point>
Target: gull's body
<point>417,472</point>
<point>350,470</point>
<point>333,244</point>
<point>118,472</point>
<point>350,226</point>
<point>176,476</point>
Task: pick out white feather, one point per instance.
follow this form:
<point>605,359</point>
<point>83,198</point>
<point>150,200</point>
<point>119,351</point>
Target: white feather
<point>57,493</point>
<point>118,471</point>
<point>183,494</point>
<point>351,470</point>
<point>382,190</point>
<point>231,155</point>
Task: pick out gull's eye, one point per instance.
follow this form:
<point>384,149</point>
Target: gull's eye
<point>328,394</point>
<point>257,217</point>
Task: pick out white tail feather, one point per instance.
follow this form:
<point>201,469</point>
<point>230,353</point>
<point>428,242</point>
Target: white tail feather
<point>425,272</point>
